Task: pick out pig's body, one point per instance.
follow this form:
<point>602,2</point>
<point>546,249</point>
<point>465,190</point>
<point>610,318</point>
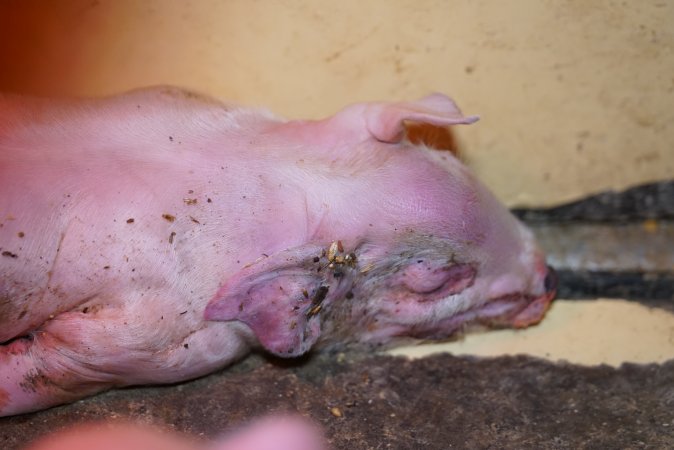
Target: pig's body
<point>157,236</point>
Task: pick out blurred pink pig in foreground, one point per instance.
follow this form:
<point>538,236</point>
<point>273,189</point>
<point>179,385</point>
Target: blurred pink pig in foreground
<point>270,433</point>
<point>159,235</point>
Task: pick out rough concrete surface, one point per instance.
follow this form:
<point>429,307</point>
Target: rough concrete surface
<point>438,402</point>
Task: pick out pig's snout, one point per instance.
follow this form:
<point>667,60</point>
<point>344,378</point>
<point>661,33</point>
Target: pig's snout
<point>536,309</point>
<point>551,281</point>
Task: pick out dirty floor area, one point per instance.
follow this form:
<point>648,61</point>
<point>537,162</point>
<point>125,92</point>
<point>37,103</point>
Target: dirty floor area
<point>380,402</point>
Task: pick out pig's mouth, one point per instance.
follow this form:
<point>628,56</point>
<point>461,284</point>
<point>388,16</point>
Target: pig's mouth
<point>518,310</point>
<point>514,310</point>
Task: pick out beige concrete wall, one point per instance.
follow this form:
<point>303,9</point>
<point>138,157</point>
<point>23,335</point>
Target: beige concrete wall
<point>576,96</point>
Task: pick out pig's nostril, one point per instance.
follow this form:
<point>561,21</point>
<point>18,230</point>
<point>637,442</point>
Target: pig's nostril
<point>550,282</point>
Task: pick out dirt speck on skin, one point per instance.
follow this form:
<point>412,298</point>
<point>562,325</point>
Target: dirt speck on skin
<point>169,217</point>
<point>183,94</point>
<point>9,254</point>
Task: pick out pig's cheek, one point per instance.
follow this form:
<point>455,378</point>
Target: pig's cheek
<point>420,290</point>
<point>432,280</point>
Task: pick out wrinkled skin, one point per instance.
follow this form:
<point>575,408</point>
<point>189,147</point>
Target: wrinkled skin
<point>271,433</point>
<point>158,236</point>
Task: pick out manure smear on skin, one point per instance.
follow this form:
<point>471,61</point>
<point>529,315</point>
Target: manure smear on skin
<point>4,398</point>
<point>34,380</point>
<point>7,308</point>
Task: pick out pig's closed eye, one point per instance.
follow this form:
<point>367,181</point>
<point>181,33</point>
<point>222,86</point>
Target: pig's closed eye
<point>425,276</point>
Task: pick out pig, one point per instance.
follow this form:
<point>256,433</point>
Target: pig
<point>269,433</point>
<point>160,235</point>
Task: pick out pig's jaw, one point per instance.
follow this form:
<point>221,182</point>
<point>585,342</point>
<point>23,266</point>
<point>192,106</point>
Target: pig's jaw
<point>512,311</point>
<point>387,301</point>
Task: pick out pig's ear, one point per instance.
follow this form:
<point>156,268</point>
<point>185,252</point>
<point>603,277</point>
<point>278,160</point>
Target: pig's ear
<point>386,121</point>
<point>279,297</point>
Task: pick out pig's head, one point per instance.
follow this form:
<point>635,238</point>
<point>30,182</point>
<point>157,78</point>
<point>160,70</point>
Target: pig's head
<point>403,242</point>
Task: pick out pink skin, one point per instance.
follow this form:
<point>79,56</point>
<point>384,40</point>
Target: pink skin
<point>159,236</point>
<point>271,433</point>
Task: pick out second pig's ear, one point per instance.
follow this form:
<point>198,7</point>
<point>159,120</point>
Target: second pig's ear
<point>279,297</point>
<point>386,121</point>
